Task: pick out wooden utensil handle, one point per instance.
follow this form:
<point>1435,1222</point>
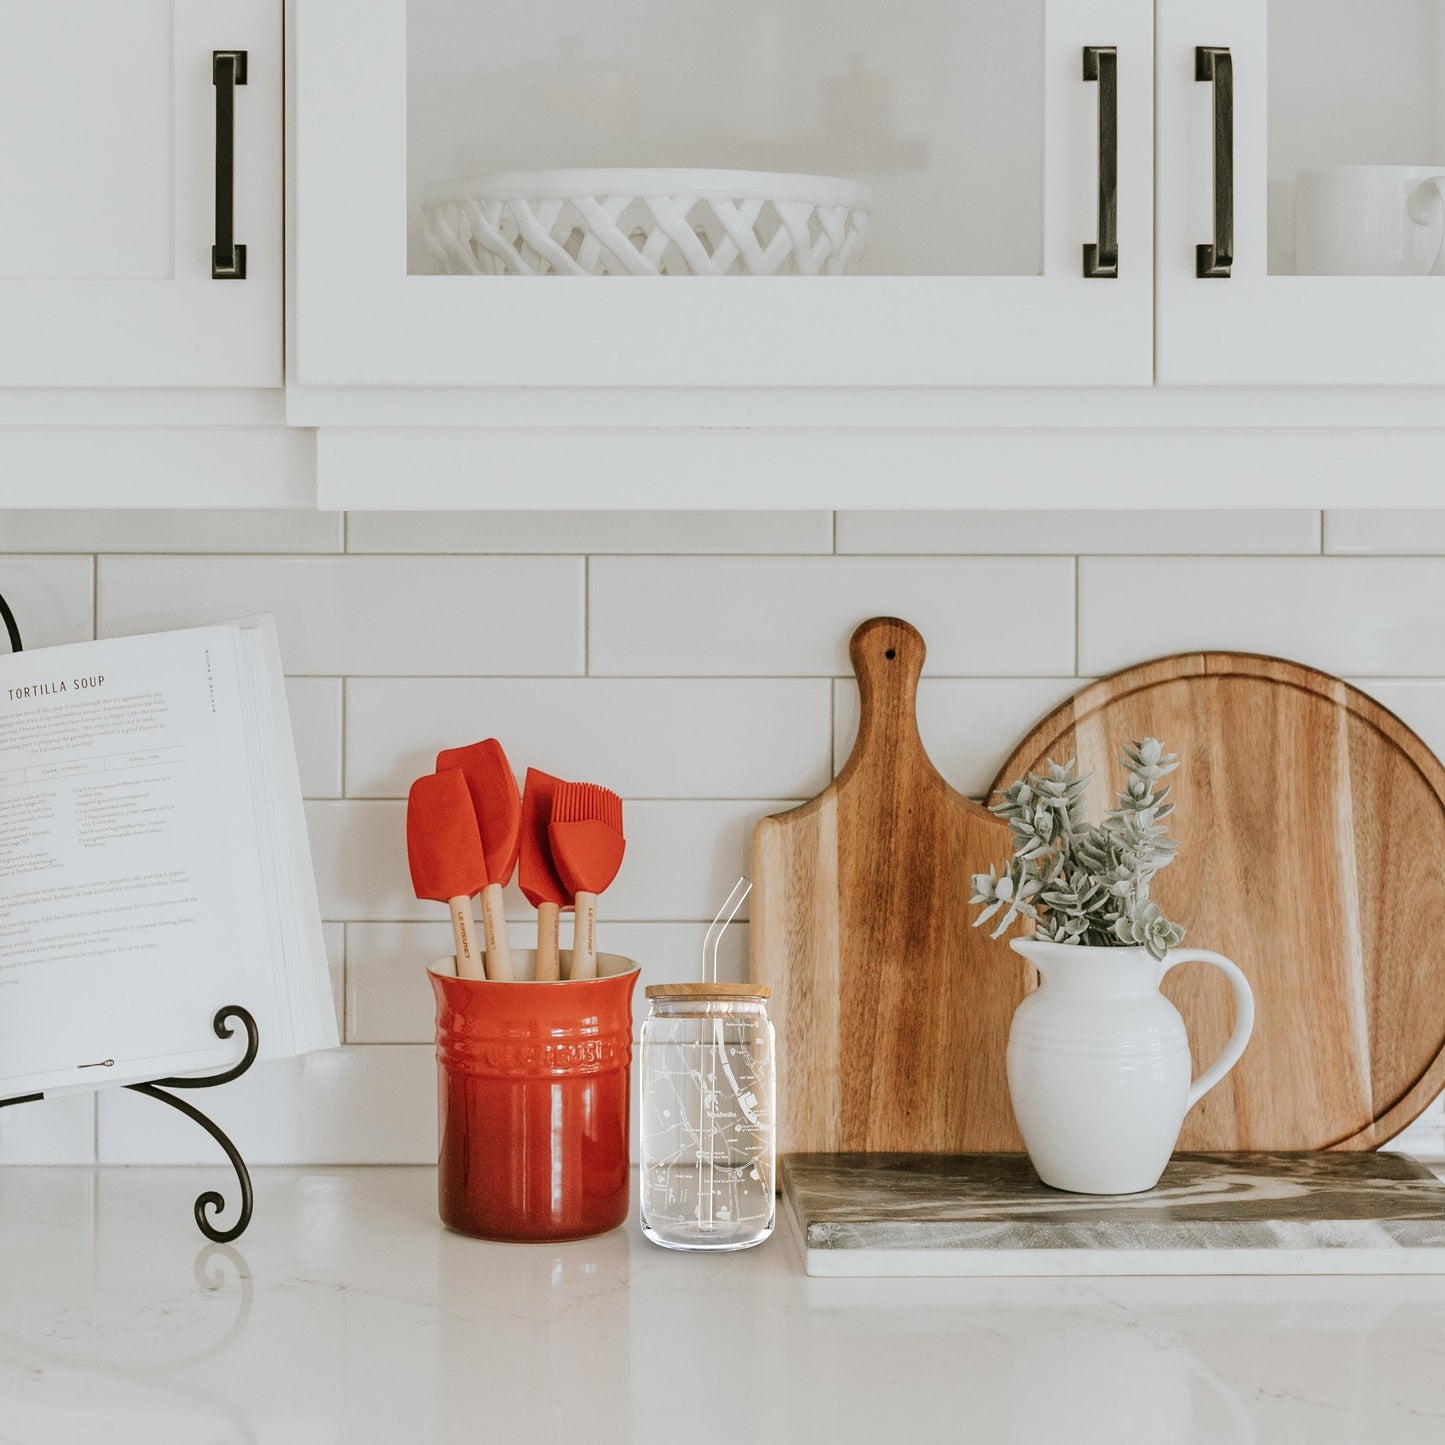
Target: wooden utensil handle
<point>494,920</point>
<point>548,921</point>
<point>464,937</point>
<point>584,937</point>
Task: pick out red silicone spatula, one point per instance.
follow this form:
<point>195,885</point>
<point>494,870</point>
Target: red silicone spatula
<point>587,843</point>
<point>499,821</point>
<point>445,852</point>
<point>537,873</point>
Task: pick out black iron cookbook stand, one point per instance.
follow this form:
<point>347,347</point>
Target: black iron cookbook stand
<point>210,1203</point>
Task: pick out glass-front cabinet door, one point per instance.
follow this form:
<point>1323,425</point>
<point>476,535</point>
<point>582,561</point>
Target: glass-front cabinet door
<point>141,193</point>
<point>1301,192</point>
<point>490,193</point>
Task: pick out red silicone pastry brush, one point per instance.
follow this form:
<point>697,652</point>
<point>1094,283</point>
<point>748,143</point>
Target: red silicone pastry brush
<point>444,849</point>
<point>587,844</point>
<point>498,811</point>
<point>538,874</point>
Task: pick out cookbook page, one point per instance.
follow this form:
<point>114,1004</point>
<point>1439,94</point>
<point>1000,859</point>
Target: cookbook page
<point>305,1012</point>
<point>129,893</point>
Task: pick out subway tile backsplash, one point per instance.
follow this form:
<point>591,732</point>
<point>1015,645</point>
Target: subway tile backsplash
<point>792,616</point>
<point>368,616</point>
<point>93,529</point>
<point>590,532</point>
<point>1402,533</point>
<point>342,1106</point>
<point>1078,533</point>
<point>649,737</point>
<point>1374,617</point>
<point>53,598</point>
<point>697,662</point>
<point>52,1131</point>
<point>315,704</point>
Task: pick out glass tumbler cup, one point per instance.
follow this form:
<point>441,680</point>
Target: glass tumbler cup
<point>708,1151</point>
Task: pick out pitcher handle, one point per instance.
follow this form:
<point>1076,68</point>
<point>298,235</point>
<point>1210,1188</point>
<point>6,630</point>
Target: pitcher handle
<point>1427,206</point>
<point>1243,1016</point>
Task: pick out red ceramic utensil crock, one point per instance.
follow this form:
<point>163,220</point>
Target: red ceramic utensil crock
<point>533,1102</point>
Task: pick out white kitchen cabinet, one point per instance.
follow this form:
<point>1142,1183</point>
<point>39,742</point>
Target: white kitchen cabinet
<point>974,124</point>
<point>973,121</point>
<point>1337,164</point>
<point>115,267</point>
<point>966,359</point>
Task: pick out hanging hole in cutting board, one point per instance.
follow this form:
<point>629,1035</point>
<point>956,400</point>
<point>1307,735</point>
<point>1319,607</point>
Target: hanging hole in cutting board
<point>891,653</point>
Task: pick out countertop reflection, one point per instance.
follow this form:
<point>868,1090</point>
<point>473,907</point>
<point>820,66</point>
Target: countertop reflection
<point>347,1314</point>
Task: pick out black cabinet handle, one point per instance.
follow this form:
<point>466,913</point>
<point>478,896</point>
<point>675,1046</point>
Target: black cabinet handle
<point>1213,63</point>
<point>228,70</point>
<point>1101,257</point>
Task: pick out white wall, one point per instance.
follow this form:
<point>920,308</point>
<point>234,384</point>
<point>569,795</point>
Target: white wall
<point>697,662</point>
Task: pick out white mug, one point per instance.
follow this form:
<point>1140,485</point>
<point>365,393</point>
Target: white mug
<point>1370,221</point>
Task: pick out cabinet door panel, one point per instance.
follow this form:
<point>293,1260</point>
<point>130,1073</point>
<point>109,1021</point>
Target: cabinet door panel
<point>1338,130</point>
<point>973,123</point>
<point>91,204</point>
<point>108,188</point>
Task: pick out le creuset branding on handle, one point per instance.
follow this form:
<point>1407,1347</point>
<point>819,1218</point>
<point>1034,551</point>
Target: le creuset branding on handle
<point>1370,221</point>
<point>1099,1065</point>
<point>533,1100</point>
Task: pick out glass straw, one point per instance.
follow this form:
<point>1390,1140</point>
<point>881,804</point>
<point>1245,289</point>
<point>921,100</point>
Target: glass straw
<point>710,943</point>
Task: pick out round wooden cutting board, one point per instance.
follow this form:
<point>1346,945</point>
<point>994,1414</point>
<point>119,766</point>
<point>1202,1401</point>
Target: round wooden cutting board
<point>1311,824</point>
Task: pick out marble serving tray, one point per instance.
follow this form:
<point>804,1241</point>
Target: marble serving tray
<point>1244,1213</point>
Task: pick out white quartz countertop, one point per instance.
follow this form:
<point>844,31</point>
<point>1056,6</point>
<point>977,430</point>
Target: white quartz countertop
<point>347,1314</point>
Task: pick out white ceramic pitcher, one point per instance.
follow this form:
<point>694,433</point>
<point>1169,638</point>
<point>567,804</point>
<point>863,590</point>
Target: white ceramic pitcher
<point>1099,1066</point>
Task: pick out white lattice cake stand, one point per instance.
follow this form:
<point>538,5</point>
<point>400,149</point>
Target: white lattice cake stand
<point>646,222</point>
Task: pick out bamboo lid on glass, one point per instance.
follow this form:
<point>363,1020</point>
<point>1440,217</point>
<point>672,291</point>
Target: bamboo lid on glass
<point>708,990</point>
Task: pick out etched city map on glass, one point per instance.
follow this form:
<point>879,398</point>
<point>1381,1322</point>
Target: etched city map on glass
<point>707,1124</point>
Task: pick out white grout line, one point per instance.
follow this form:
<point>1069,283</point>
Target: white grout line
<point>820,555</point>
<point>682,677</point>
<point>1078,622</point>
<point>345,989</point>
<point>345,683</point>
<point>832,730</point>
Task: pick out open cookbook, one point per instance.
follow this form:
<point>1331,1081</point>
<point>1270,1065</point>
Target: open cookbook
<point>153,861</point>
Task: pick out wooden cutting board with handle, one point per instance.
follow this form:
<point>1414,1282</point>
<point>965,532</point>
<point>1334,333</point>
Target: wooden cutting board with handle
<point>891,1011</point>
<point>1311,824</point>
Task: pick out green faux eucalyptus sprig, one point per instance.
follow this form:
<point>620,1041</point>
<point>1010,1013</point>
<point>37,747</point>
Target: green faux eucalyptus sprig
<point>1085,883</point>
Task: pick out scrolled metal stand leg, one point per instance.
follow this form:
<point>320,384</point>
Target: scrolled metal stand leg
<point>211,1202</point>
<point>12,628</point>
